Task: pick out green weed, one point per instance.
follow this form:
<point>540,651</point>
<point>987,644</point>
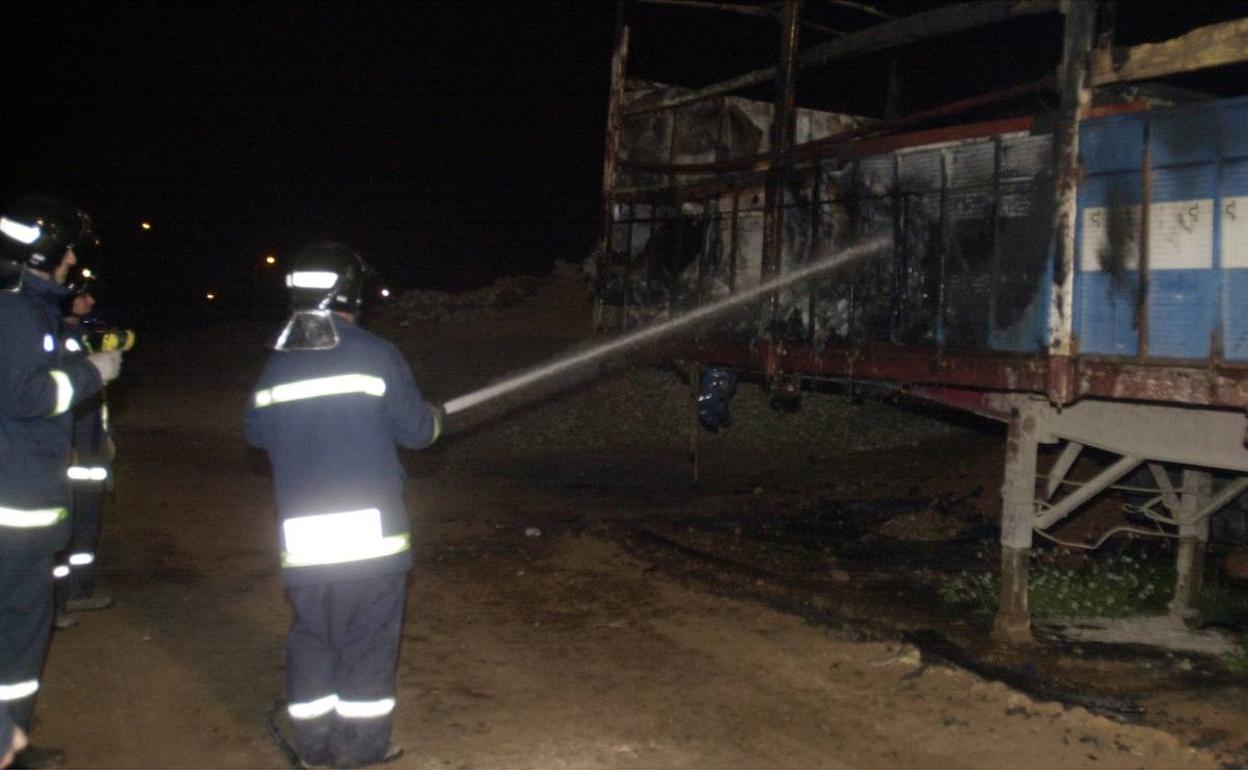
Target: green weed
<point>1063,584</point>
<point>1238,661</point>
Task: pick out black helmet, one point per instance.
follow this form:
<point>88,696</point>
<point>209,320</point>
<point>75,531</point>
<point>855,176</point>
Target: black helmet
<point>37,231</point>
<point>81,280</point>
<point>327,276</point>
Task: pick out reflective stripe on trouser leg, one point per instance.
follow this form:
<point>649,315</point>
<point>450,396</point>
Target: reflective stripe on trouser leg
<point>25,625</point>
<point>18,690</point>
<point>313,708</point>
<point>87,473</point>
<point>310,671</point>
<point>368,617</point>
<point>88,510</point>
<point>365,709</point>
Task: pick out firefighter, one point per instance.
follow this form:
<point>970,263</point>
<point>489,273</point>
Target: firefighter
<point>39,386</point>
<point>89,471</point>
<point>330,407</point>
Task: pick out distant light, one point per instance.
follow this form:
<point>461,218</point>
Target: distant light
<point>269,259</point>
<point>146,225</point>
<point>385,292</point>
<point>210,296</point>
<point>86,272</point>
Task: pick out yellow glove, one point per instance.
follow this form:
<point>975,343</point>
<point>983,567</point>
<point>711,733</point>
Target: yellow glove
<point>117,339</point>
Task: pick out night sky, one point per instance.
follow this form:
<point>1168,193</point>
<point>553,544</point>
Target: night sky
<point>449,142</point>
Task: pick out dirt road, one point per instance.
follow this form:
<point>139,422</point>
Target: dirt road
<point>535,636</point>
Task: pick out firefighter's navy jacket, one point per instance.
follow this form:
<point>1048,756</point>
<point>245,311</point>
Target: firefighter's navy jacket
<point>329,420</point>
<point>39,386</point>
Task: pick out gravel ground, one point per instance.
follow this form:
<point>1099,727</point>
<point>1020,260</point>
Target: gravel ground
<point>646,406</point>
<point>641,406</point>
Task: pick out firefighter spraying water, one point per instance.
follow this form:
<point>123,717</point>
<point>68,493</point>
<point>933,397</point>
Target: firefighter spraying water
<point>346,547</point>
<point>670,327</point>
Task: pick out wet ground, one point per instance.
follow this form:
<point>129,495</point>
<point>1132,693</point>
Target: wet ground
<point>582,604</point>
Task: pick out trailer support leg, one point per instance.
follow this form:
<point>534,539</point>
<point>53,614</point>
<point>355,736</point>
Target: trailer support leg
<point>1018,495</point>
<point>1193,537</point>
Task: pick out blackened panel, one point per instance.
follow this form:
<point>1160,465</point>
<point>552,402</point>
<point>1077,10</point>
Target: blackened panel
<point>795,252</point>
<point>921,245</point>
<point>873,277</point>
<point>644,138</point>
<point>1026,215</point>
<point>696,134</point>
<point>968,268</point>
<point>741,137</point>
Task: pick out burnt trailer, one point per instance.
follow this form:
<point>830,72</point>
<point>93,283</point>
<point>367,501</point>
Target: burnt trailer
<point>1079,272</point>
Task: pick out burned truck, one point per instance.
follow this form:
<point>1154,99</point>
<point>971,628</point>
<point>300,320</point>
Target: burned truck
<point>1078,272</point>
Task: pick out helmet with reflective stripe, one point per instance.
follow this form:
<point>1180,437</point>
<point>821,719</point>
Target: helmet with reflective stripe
<point>81,280</point>
<point>327,276</point>
<point>37,231</point>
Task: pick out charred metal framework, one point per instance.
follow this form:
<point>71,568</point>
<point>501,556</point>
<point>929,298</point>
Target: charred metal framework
<point>1083,262</point>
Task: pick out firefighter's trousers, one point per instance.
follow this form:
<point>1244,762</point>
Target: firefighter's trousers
<point>25,624</point>
<point>341,654</point>
<point>76,579</point>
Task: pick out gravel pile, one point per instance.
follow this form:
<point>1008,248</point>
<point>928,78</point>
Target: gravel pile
<point>649,408</point>
<point>487,302</point>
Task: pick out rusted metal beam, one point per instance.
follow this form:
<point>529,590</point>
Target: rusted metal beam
<point>1202,48</point>
<point>909,29</point>
<point>890,363</point>
<point>849,150</point>
<point>869,9</point>
<point>846,141</point>
<point>734,236</point>
<point>974,401</point>
<point>757,11</point>
<point>1192,383</point>
<point>782,130</point>
<point>611,151</point>
<point>1195,383</point>
<point>1047,83</point>
<point>1075,96</point>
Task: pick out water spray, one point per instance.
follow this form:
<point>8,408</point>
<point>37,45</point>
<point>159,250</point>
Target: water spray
<point>666,328</point>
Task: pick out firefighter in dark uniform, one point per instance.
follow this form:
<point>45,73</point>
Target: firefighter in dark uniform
<point>89,471</point>
<point>39,387</point>
<point>330,407</point>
